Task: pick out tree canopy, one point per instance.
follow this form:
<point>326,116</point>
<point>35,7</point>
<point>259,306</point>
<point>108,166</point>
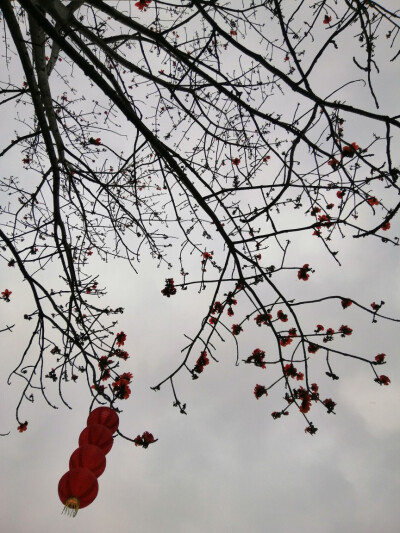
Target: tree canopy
<point>215,136</point>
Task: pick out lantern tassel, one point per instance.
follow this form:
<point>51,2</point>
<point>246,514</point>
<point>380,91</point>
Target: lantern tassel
<point>71,506</point>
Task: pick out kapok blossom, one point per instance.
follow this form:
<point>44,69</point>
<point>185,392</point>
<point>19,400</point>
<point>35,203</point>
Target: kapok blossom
<point>235,161</point>
<point>260,390</point>
<point>312,348</point>
<point>236,329</point>
<point>257,358</point>
<point>144,440</point>
<point>142,5</point>
<point>263,319</point>
<point>201,362</point>
<point>329,404</point>
<point>121,338</point>
<point>334,163</point>
<point>303,272</point>
<point>383,380</point>
<point>372,201</point>
<point>345,330</point>
<point>169,289</point>
<point>380,358</point>
<point>96,142</point>
<point>385,226</point>
<point>23,427</point>
<point>327,19</point>
<point>346,303</point>
<point>349,151</point>
<point>282,316</point>
<point>6,295</point>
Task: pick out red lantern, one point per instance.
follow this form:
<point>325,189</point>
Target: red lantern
<point>98,435</point>
<point>89,456</point>
<point>77,489</point>
<point>104,416</point>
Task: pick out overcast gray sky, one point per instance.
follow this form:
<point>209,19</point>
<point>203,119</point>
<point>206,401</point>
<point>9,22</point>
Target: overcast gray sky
<point>227,466</point>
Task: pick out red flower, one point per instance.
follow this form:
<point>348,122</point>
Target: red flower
<point>266,158</point>
<point>144,440</point>
<point>319,328</point>
<point>303,272</point>
<point>314,387</point>
<point>385,226</point>
<point>300,376</point>
<point>26,160</point>
<point>375,306</point>
<point>121,338</point>
<point>212,320</point>
<point>380,358</point>
<point>345,330</point>
<point>96,142</point>
<point>259,391</point>
<point>6,295</point>
<point>126,376</point>
<point>230,311</point>
<point>257,358</point>
<point>349,151</point>
<point>383,380</point>
<point>329,404</point>
<point>23,427</point>
<point>121,389</point>
<point>285,341</point>
<point>315,210</point>
<point>104,362</point>
<point>169,289</point>
<point>281,315</point>
<point>142,5</point>
<point>311,429</point>
<point>333,163</point>
<point>236,161</point>
<point>98,388</point>
<point>275,415</point>
<point>303,395</point>
<point>217,308</point>
<point>372,201</point>
<point>263,319</point>
<point>207,255</point>
<point>340,194</point>
<point>290,370</point>
<point>346,303</point>
<point>121,354</point>
<point>327,19</point>
<point>233,32</point>
<point>236,329</point>
<point>330,331</point>
<point>312,348</point>
<point>292,332</point>
<point>201,362</point>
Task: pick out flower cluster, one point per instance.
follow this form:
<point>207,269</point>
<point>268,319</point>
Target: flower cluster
<point>121,338</point>
<point>121,387</point>
<point>142,5</point>
<point>329,404</point>
<point>263,319</point>
<point>6,295</point>
<point>345,330</point>
<point>257,358</point>
<point>282,316</point>
<point>305,399</point>
<point>260,390</point>
<point>349,151</point>
<point>236,329</point>
<point>235,161</point>
<point>169,289</point>
<point>380,358</point>
<point>23,427</point>
<point>291,371</point>
<point>303,272</point>
<point>346,303</point>
<point>144,440</point>
<point>201,362</point>
<point>383,380</point>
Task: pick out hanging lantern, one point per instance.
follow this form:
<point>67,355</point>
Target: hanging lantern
<point>89,456</point>
<point>104,416</point>
<point>77,489</point>
<point>98,435</point>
